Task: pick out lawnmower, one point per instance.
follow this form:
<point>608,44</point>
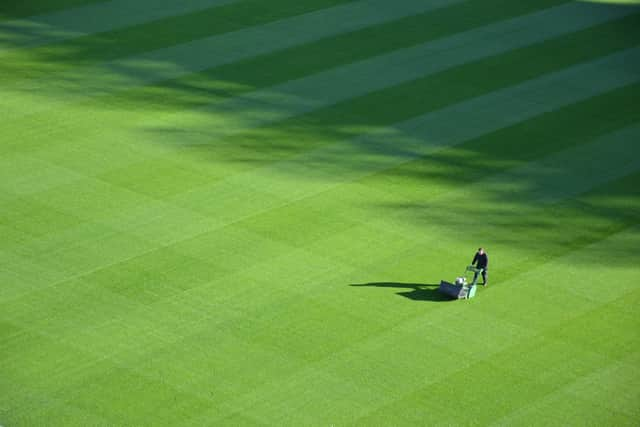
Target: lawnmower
<point>461,289</point>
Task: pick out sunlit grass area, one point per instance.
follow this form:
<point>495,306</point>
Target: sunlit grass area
<point>238,212</point>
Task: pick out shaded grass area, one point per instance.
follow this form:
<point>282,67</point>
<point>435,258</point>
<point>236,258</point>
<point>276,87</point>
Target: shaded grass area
<point>349,118</point>
<point>342,49</point>
<point>303,60</point>
<point>11,9</point>
<point>40,61</point>
<point>495,152</point>
<point>150,280</point>
<point>353,112</point>
<point>179,29</point>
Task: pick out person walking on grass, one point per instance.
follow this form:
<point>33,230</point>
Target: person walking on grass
<point>481,260</point>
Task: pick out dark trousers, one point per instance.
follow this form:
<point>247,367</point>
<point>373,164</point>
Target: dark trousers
<point>484,276</point>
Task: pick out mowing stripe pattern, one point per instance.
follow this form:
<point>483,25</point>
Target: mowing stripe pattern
<point>227,212</point>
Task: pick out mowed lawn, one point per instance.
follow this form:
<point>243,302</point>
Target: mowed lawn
<point>237,212</point>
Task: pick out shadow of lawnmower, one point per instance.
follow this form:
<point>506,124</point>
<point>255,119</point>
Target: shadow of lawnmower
<point>416,292</point>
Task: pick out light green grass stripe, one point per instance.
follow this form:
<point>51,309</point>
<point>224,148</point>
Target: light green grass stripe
<point>175,61</point>
<point>81,246</point>
<point>42,175</point>
<point>357,79</point>
<point>93,18</point>
<point>618,381</point>
<point>385,148</point>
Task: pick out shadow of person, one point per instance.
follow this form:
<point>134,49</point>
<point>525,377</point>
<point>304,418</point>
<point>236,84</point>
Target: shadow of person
<point>416,291</point>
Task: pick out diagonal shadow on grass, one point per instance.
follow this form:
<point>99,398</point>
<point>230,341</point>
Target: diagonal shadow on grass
<point>417,292</point>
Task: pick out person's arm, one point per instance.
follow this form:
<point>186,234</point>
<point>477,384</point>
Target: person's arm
<point>475,258</point>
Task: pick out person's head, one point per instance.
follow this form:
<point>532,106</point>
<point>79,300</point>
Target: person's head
<point>480,251</point>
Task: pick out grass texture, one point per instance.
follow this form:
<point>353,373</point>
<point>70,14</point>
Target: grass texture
<point>237,212</point>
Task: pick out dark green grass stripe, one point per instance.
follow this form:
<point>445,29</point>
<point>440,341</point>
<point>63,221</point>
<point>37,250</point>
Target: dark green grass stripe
<point>11,9</point>
<point>310,58</point>
<point>164,32</point>
<point>387,107</point>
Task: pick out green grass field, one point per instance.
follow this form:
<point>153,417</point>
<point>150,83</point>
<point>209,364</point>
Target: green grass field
<point>237,212</point>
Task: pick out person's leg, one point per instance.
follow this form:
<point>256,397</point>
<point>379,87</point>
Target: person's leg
<point>484,277</point>
<point>475,277</point>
